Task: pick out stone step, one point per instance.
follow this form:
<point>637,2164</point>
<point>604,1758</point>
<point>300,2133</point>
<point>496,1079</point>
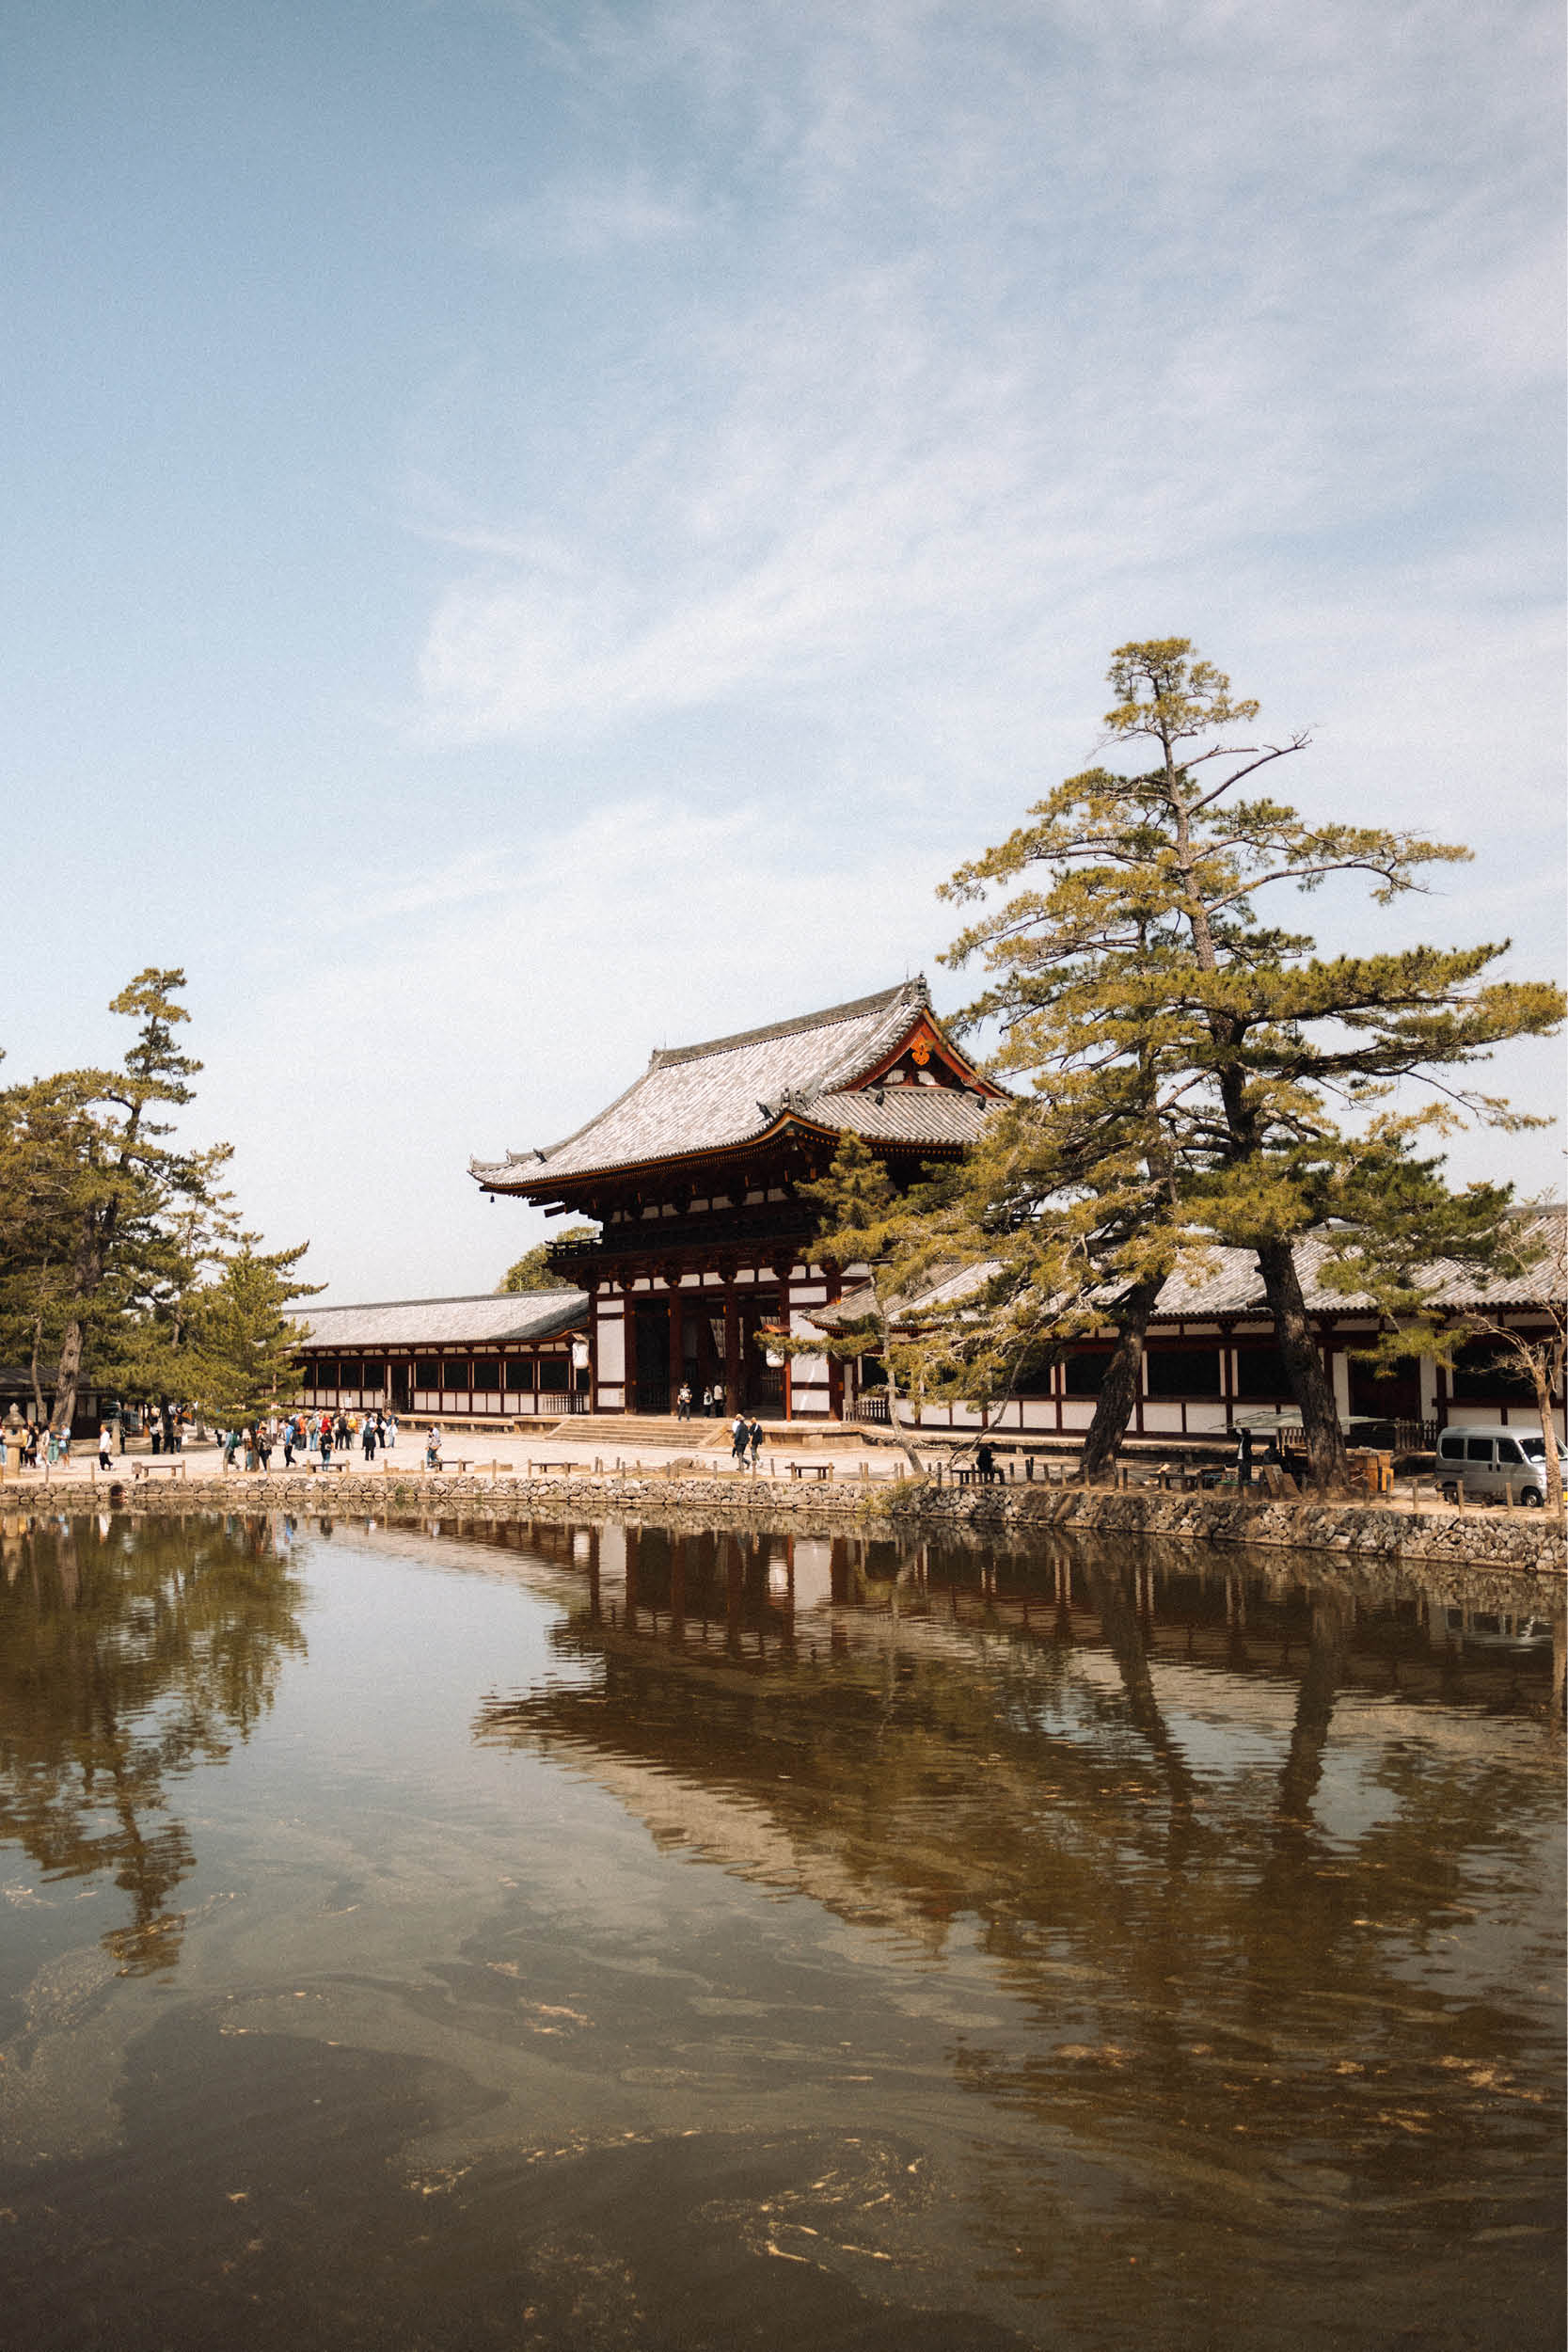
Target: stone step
<point>602,1430</point>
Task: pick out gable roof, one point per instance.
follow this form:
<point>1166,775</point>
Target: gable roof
<point>505,1317</point>
<point>734,1090</point>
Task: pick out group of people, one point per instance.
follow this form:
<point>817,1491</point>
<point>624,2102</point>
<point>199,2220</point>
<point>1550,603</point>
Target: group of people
<point>745,1437</point>
<point>713,1401</point>
<point>307,1435</point>
<point>25,1444</point>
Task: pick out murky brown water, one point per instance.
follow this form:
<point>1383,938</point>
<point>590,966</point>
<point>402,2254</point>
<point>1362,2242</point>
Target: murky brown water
<point>561,1938</point>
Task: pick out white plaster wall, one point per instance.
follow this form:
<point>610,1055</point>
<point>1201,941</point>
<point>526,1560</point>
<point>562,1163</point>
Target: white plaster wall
<point>611,1335</point>
<point>1339,1368</point>
<point>1160,1420</point>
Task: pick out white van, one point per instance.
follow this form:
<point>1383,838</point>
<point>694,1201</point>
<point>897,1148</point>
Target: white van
<point>1488,1461</point>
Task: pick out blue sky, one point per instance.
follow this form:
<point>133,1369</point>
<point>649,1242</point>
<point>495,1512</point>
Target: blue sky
<point>535,532</point>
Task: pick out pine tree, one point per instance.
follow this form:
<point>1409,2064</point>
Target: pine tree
<point>534,1270</point>
<point>127,1174</point>
<point>243,1356</point>
<point>1143,996</point>
<point>882,1238</point>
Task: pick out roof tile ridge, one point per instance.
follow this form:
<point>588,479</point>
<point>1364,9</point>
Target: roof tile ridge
<point>839,1078</point>
<point>912,992</point>
<point>455,1298</point>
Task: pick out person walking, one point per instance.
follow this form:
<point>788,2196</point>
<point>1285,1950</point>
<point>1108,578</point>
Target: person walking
<point>289,1443</point>
<point>367,1442</point>
<point>683,1401</point>
<point>1243,1457</point>
<point>740,1437</point>
<point>106,1446</point>
<point>433,1449</point>
<point>754,1437</point>
<point>263,1444</point>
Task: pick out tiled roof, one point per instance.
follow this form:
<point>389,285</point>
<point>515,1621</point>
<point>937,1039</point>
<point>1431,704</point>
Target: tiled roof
<point>1232,1283</point>
<point>905,1113</point>
<point>1228,1281</point>
<point>704,1097</point>
<point>506,1317</point>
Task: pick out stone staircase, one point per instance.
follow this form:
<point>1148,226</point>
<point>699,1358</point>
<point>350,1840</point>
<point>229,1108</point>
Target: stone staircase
<point>609,1433</point>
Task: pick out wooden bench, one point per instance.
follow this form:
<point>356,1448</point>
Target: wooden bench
<point>174,1469</point>
<point>566,1468</point>
<point>810,1470</point>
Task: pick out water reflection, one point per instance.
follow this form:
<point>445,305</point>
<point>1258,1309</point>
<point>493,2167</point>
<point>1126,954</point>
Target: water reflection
<point>126,1659</point>
<point>1248,1843</point>
<point>931,1949</point>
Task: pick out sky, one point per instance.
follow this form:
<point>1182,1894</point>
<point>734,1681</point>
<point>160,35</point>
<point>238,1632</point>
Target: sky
<point>537,531</point>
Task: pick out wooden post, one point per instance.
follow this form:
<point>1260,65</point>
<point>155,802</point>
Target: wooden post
<point>677,1340</point>
<point>731,1348</point>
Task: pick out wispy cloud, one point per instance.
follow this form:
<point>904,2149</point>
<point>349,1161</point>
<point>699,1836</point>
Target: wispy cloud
<point>1025,314</point>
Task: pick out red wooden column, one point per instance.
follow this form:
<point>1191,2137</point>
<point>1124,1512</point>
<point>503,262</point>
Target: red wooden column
<point>677,1355</point>
<point>732,1345</point>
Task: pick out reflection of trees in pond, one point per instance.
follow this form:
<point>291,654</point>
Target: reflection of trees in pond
<point>124,1662</point>
<point>1217,1902</point>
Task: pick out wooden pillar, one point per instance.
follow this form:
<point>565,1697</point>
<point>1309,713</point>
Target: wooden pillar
<point>677,1355</point>
<point>732,1347</point>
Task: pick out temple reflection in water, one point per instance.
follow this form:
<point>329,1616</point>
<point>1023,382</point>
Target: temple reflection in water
<point>1227,1832</point>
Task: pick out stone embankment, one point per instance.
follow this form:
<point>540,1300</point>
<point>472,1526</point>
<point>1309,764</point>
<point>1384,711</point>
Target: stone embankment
<point>1498,1539</point>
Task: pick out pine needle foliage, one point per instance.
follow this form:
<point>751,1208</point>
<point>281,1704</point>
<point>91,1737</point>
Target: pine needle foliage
<point>1189,1062</point>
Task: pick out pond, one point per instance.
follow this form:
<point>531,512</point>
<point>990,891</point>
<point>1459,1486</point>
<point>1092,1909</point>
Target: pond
<point>575,1937</point>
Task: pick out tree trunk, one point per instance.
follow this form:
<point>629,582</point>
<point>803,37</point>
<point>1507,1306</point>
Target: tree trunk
<point>897,1423</point>
<point>1553,1465</point>
<point>895,1420</point>
<point>92,1258</point>
<point>1119,1390</point>
<point>1304,1366</point>
<point>67,1377</point>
